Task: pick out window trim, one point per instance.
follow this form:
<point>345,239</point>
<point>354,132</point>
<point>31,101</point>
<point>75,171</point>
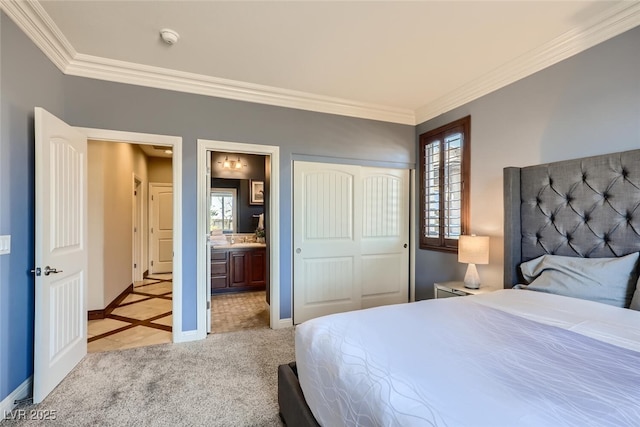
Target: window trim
<point>440,243</point>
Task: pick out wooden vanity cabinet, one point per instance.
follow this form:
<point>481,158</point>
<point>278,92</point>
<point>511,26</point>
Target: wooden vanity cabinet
<point>238,269</point>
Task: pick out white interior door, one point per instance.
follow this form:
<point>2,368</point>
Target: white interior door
<point>326,240</point>
<point>351,236</point>
<point>161,228</point>
<point>60,335</point>
<point>385,236</point>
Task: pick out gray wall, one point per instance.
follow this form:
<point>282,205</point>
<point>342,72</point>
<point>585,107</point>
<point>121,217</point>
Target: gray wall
<point>586,105</point>
<point>27,79</point>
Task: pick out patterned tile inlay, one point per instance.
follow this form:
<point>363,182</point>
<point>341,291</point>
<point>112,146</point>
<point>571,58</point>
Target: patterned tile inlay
<point>139,320</point>
<point>144,317</point>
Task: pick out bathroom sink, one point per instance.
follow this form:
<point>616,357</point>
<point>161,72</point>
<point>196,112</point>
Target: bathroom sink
<point>248,245</point>
<point>240,245</point>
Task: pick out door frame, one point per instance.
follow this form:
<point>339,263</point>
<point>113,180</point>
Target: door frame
<point>138,224</point>
<point>205,146</point>
<point>176,143</point>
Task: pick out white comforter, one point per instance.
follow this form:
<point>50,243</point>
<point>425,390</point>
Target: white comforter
<point>508,358</point>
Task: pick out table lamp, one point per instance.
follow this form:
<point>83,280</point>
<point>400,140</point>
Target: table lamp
<point>473,250</point>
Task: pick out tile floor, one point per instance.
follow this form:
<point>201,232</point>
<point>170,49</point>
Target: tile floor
<point>234,312</point>
<point>144,316</point>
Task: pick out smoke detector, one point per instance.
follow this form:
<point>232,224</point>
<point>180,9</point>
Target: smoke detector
<point>169,36</point>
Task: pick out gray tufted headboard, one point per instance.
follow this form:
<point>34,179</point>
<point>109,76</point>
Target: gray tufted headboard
<point>586,207</point>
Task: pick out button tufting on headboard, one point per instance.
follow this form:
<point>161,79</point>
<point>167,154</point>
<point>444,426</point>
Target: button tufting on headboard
<point>585,207</point>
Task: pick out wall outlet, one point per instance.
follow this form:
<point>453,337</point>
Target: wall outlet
<point>5,245</point>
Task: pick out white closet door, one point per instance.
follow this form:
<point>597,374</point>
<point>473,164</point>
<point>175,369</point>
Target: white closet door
<point>384,246</point>
<point>350,231</point>
<point>326,240</point>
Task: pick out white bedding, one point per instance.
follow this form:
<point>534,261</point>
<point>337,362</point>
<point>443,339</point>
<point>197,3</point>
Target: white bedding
<point>507,358</point>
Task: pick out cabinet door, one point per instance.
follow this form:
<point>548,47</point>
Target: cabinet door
<point>257,266</point>
<point>238,268</point>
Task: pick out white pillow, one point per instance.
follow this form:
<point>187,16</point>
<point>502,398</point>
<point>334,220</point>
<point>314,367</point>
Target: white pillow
<point>608,280</point>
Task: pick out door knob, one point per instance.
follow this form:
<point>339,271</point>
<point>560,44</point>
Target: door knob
<point>48,270</point>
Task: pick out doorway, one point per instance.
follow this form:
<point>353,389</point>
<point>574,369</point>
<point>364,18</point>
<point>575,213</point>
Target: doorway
<point>60,337</point>
<point>271,231</point>
<point>239,197</point>
<point>130,257</point>
<point>174,144</point>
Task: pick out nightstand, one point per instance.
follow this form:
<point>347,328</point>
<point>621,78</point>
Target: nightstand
<point>457,289</point>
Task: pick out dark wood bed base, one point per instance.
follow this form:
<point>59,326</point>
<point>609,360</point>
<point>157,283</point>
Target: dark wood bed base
<point>294,410</point>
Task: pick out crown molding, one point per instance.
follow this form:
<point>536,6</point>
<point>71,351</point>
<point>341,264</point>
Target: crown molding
<point>614,21</point>
<point>143,75</point>
<point>31,17</point>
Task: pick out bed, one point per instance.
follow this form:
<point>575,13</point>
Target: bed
<point>566,351</point>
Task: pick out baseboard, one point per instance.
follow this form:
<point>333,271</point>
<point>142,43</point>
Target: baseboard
<point>284,323</point>
<point>101,314</point>
<point>23,391</point>
<point>186,336</point>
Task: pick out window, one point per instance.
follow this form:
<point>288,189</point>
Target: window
<point>444,185</point>
<point>222,210</point>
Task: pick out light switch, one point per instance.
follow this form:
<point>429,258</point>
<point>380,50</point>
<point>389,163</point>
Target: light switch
<point>5,245</point>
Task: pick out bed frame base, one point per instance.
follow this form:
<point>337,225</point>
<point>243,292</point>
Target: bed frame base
<point>294,410</point>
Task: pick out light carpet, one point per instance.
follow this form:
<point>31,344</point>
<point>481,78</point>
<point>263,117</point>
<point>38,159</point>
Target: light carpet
<point>227,379</point>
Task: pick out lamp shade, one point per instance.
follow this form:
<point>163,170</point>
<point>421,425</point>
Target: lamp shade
<point>473,249</point>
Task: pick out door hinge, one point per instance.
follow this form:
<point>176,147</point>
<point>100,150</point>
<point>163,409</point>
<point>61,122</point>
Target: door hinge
<point>25,401</point>
<point>152,263</point>
<point>151,230</point>
<point>135,265</point>
<point>135,193</point>
<point>152,198</point>
<point>208,305</point>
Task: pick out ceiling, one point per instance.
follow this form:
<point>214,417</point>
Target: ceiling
<point>402,62</point>
<point>155,151</point>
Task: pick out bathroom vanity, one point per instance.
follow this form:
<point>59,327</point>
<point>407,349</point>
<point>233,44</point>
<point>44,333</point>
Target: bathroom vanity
<point>238,267</point>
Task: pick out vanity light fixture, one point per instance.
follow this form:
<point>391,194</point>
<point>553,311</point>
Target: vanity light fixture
<point>231,164</point>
